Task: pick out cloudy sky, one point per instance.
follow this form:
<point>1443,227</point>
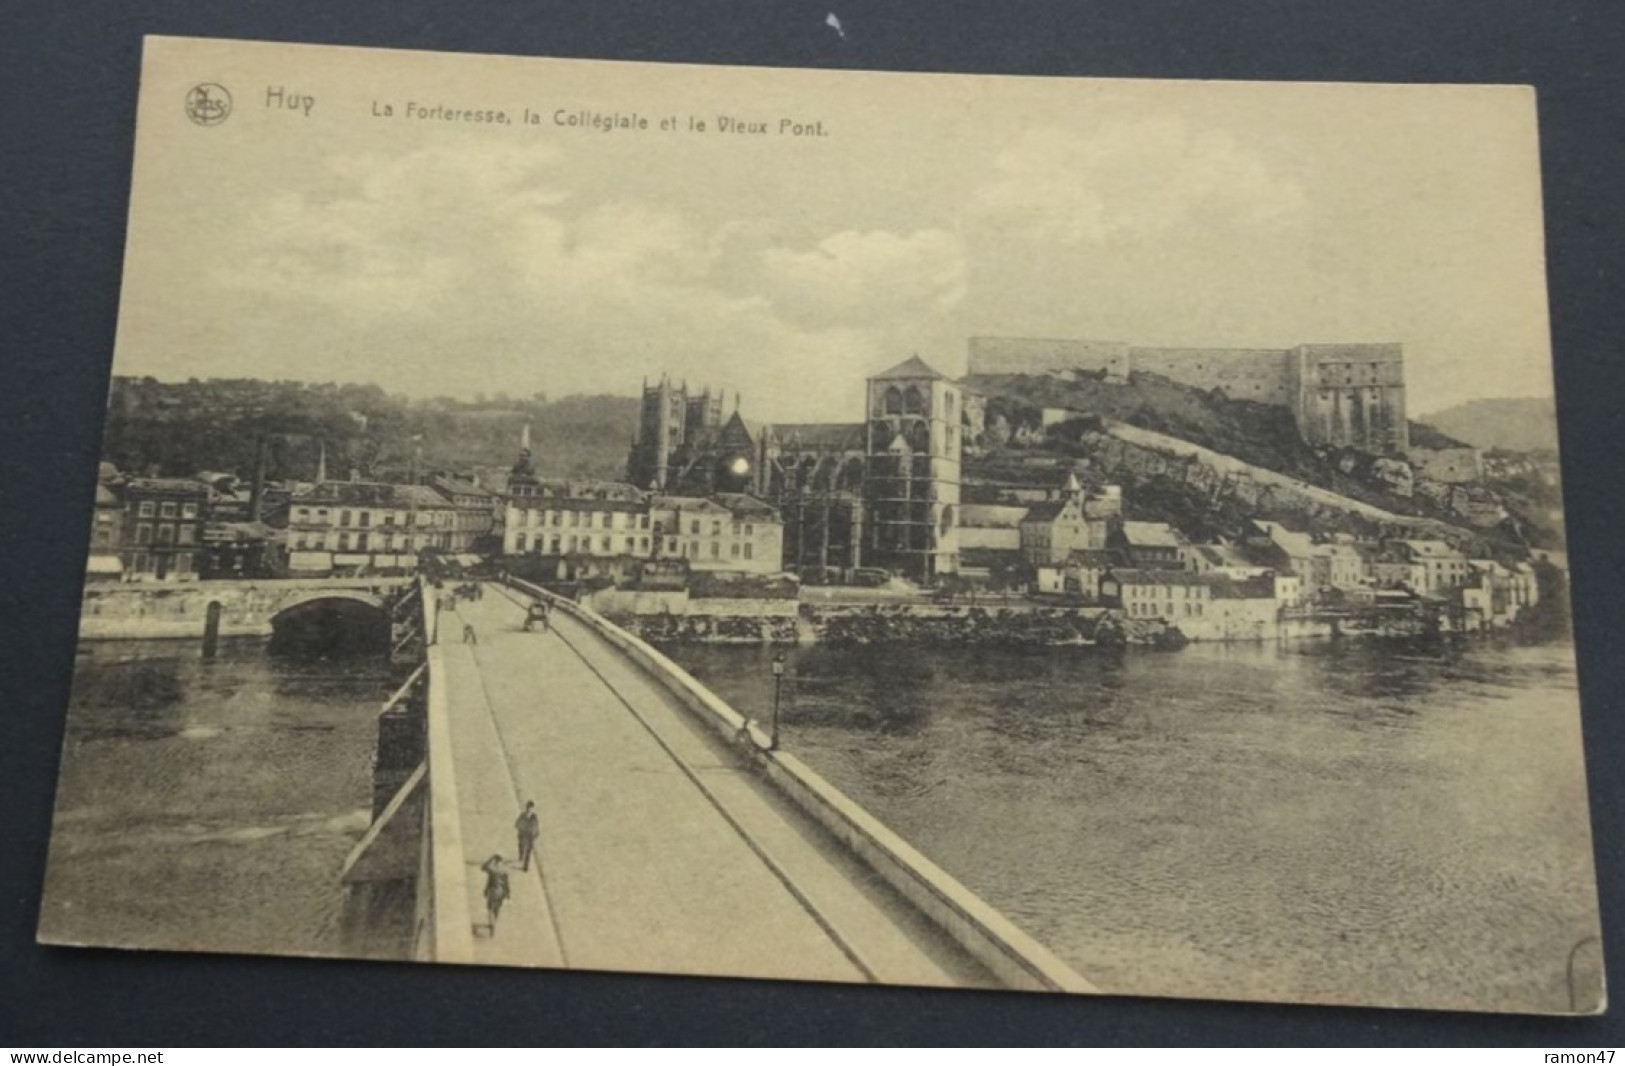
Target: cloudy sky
<point>443,257</point>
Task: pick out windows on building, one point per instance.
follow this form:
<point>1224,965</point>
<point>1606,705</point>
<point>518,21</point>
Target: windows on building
<point>147,509</point>
<point>166,533</point>
<point>186,535</point>
<point>167,509</point>
<point>143,533</point>
<point>188,510</point>
<point>748,547</point>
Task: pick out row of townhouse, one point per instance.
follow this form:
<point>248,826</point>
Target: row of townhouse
<point>579,529</point>
<point>1301,569</point>
<point>378,526</point>
<point>1208,607</point>
<point>172,529</point>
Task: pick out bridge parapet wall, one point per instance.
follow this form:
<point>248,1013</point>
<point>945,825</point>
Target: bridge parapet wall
<point>445,927</point>
<point>1015,958</point>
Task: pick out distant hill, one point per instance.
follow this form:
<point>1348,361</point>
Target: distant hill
<point>1523,425</point>
<point>181,428</point>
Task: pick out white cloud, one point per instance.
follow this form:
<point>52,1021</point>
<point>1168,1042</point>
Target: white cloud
<point>1131,179</point>
<point>868,277</point>
<point>473,269</point>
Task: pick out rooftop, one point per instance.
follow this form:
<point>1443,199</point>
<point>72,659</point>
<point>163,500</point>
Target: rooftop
<point>913,367</point>
<point>1131,576</point>
<point>847,436</point>
<point>1431,549</point>
<point>1151,535</point>
<point>372,494</point>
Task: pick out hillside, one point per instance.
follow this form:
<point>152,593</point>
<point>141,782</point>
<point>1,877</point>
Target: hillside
<point>1260,434</point>
<point>180,428</point>
<point>1018,448</point>
<point>1522,425</point>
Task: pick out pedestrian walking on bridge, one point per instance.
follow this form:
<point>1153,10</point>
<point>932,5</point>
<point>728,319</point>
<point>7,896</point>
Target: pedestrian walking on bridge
<point>528,827</point>
<point>496,891</point>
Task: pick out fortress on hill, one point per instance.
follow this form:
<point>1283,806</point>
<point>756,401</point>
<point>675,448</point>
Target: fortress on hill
<point>1347,395</point>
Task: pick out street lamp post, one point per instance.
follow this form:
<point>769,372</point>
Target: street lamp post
<point>778,685</point>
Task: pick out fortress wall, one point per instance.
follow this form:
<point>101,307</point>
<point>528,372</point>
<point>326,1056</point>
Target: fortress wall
<point>1039,356</point>
<point>1259,374</point>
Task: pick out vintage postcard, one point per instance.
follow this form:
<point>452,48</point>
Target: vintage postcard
<point>1074,536</point>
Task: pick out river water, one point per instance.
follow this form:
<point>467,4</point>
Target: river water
<point>1331,823</point>
<point>1316,822</point>
<point>209,806</point>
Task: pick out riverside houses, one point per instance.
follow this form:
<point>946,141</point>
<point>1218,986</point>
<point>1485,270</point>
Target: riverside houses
<point>1211,607</point>
<point>729,531</point>
<point>1149,545</point>
<point>1443,567</point>
<point>581,528</point>
<point>162,528</point>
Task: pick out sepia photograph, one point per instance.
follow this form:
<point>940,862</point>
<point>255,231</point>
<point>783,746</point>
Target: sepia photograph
<point>1048,534</point>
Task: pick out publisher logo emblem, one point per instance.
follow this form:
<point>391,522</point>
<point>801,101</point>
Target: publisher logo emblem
<point>208,104</point>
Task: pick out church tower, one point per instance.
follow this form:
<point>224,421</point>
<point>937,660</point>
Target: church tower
<point>662,420</point>
<point>911,491</point>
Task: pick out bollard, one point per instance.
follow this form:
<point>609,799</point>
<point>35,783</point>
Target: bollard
<point>211,630</point>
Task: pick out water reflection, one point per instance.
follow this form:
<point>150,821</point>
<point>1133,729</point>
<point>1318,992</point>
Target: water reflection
<point>1346,822</point>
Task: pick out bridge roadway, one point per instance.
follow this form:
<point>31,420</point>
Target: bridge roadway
<point>659,850</point>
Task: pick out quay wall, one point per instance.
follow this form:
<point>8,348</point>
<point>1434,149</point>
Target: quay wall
<point>143,612</point>
<point>1011,955</point>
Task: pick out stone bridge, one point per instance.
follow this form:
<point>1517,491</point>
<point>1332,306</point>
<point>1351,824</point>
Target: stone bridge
<point>674,838</point>
<point>247,608</point>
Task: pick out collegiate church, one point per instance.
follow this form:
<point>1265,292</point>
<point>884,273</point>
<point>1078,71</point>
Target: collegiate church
<point>883,492</point>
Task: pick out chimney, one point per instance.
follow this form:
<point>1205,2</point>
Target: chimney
<point>256,491</point>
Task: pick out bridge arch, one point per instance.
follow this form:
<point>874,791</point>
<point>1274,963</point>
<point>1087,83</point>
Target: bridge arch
<point>294,601</point>
<point>323,623</point>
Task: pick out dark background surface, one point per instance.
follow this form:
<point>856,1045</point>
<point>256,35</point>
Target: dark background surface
<point>68,76</point>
